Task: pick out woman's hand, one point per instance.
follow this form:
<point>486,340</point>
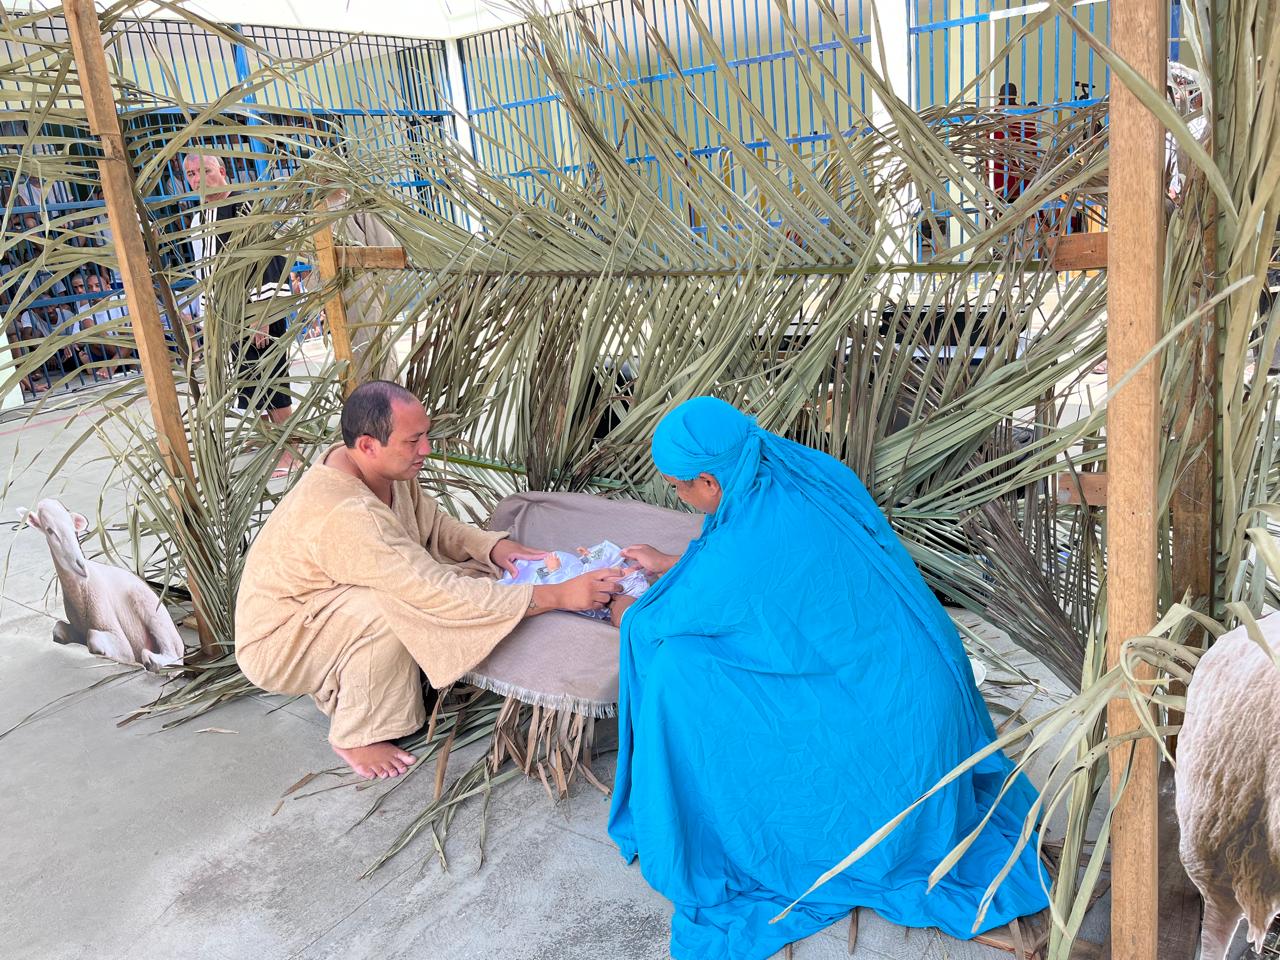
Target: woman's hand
<point>618,606</point>
<point>652,560</point>
<point>589,591</point>
<point>506,552</point>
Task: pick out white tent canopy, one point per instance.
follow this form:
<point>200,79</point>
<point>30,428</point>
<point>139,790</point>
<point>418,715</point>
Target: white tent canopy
<point>434,19</point>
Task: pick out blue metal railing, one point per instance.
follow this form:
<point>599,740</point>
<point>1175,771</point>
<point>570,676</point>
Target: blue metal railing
<point>353,85</point>
<point>521,126</point>
<point>956,41</point>
<point>1024,77</point>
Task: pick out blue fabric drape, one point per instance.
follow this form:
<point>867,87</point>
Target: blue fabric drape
<point>787,688</point>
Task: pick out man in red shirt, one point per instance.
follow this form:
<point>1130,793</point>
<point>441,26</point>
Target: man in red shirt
<point>1008,177</point>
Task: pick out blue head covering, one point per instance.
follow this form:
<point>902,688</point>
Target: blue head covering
<point>702,435</point>
<point>787,688</point>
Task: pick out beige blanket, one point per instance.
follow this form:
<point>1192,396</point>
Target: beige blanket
<point>565,661</point>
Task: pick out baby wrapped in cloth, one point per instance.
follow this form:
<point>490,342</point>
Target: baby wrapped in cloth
<point>560,566</point>
<point>564,661</point>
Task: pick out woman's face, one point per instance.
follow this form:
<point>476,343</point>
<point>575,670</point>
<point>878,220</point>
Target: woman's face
<point>702,492</point>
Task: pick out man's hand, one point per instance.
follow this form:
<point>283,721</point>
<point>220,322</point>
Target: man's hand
<point>505,553</point>
<point>589,591</point>
<point>261,339</point>
<point>652,560</point>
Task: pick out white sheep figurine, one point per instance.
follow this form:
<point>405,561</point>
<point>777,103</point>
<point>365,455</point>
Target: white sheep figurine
<point>1228,787</point>
<point>109,609</point>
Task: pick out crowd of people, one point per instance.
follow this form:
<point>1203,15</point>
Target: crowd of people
<point>43,218</point>
<point>38,302</point>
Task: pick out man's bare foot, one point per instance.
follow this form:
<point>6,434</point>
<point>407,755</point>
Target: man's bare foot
<point>377,761</point>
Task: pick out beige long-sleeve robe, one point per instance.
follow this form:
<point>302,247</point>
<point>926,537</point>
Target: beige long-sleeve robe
<point>343,598</point>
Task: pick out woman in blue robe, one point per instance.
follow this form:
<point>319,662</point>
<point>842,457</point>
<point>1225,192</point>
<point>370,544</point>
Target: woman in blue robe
<point>788,686</point>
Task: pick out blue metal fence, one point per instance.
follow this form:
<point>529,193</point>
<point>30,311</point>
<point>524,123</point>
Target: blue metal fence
<point>356,85</point>
<point>353,85</point>
<point>1022,75</point>
<point>521,125</point>
<point>1025,75</point>
<point>955,42</point>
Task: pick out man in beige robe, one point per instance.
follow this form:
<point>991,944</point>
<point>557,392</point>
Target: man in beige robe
<point>357,580</point>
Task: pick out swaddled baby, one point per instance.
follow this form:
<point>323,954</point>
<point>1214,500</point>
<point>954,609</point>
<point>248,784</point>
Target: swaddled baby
<point>559,566</point>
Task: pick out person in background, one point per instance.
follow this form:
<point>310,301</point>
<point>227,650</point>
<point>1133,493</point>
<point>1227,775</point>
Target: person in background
<point>365,297</point>
<point>108,319</point>
<point>1177,164</point>
<point>256,360</point>
<point>1009,176</point>
<point>60,321</point>
<point>28,191</point>
<point>29,325</point>
<point>85,318</point>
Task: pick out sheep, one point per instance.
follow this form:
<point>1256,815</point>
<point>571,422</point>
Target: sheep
<point>109,609</point>
<point>1228,787</point>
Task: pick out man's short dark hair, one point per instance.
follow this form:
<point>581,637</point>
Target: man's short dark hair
<point>367,411</point>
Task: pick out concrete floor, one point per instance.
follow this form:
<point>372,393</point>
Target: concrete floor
<point>140,843</point>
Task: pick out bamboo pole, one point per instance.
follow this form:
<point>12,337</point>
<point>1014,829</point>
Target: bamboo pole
<point>1136,219</point>
<point>119,193</point>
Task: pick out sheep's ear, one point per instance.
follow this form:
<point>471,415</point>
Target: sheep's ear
<point>80,522</point>
<point>30,516</point>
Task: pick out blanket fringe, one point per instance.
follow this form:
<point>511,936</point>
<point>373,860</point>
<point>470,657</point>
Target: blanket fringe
<point>596,709</point>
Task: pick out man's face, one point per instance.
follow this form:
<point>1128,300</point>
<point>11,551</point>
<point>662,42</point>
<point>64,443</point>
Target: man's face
<point>77,286</point>
<point>408,446</point>
<point>204,173</point>
<point>95,283</point>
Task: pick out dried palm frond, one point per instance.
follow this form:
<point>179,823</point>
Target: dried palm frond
<point>550,320</point>
<point>551,333</point>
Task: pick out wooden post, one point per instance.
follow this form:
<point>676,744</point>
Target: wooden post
<point>122,214</point>
<point>1136,220</point>
<point>1195,496</point>
<point>335,310</point>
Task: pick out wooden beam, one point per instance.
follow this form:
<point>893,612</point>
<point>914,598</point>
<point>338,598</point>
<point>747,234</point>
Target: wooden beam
<point>1079,251</point>
<point>1088,488</point>
<point>335,310</point>
<point>1136,218</point>
<point>372,258</point>
<point>135,271</point>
